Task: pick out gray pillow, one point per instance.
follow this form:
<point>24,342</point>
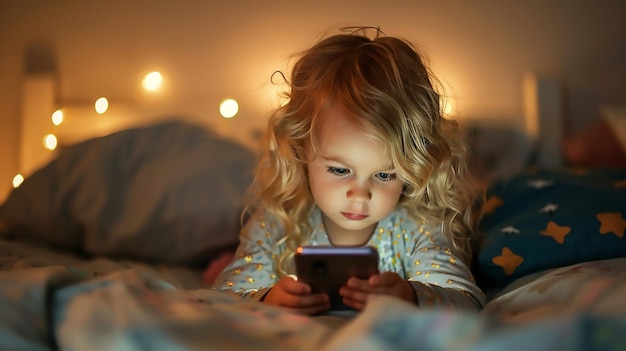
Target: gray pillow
<point>171,192</point>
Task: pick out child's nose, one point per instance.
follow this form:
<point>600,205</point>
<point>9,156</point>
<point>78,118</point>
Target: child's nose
<point>359,193</point>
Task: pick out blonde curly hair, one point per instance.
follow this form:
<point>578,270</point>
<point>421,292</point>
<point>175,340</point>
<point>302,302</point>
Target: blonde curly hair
<point>386,85</point>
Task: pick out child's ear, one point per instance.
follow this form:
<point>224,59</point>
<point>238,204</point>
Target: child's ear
<point>303,152</point>
<point>296,153</point>
<point>405,189</point>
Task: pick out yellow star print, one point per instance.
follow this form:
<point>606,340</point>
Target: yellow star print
<point>612,222</point>
<point>508,260</point>
<point>557,232</point>
<point>491,204</point>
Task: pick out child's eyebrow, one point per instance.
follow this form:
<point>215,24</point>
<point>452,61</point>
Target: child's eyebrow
<point>338,159</point>
<point>334,159</point>
<point>387,169</point>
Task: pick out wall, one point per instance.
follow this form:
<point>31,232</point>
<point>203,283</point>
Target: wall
<point>208,51</point>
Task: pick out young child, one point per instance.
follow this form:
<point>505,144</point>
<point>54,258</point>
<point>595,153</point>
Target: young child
<point>360,155</point>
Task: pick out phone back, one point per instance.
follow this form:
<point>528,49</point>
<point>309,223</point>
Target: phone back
<point>326,268</point>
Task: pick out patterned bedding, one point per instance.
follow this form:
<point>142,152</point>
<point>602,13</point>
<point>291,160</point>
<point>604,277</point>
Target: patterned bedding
<point>108,305</point>
<point>56,301</point>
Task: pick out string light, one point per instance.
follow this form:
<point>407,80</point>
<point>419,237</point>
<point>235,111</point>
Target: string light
<point>152,81</point>
<point>50,141</point>
<point>102,105</point>
<point>229,108</point>
<point>17,180</point>
<point>57,117</point>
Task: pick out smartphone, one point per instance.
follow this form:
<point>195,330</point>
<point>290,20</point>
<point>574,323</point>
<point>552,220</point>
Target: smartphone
<point>327,268</point>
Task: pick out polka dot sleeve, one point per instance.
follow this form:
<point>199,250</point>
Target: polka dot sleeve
<point>438,276</point>
<point>252,271</point>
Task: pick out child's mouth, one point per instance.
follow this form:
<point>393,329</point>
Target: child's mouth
<point>354,216</point>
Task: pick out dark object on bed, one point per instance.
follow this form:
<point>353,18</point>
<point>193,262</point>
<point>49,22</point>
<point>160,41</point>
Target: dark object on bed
<point>598,145</point>
<point>170,192</point>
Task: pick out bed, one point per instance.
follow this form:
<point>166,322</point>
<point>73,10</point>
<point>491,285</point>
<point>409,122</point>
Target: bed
<point>112,244</point>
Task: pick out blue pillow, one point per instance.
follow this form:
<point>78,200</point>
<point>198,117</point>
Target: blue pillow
<point>545,219</point>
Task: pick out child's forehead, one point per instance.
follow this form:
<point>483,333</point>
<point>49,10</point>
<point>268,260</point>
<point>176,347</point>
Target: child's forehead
<point>337,125</point>
<point>336,119</point>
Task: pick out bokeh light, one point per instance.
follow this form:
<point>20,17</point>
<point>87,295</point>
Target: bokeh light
<point>50,141</point>
<point>57,117</point>
<point>17,180</point>
<point>229,108</point>
<point>102,105</point>
<point>152,81</point>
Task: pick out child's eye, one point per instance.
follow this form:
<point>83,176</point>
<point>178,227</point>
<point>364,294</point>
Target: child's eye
<point>385,177</point>
<point>338,171</point>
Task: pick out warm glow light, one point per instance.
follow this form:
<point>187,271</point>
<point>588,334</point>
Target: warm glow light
<point>57,117</point>
<point>229,108</point>
<point>50,141</point>
<point>102,105</point>
<point>448,108</point>
<point>152,81</point>
<point>17,180</point>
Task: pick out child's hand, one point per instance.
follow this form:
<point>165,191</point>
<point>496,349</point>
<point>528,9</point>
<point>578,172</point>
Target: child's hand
<point>356,291</point>
<point>296,296</point>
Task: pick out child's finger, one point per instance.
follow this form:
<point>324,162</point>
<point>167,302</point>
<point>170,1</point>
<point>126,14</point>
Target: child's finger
<point>293,286</point>
<point>384,279</point>
<point>358,284</point>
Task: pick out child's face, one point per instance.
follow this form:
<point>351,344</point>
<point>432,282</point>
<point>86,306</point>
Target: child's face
<point>353,182</point>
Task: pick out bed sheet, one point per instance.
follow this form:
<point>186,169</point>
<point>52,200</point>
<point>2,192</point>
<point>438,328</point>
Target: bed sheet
<point>594,287</point>
<point>50,301</point>
<point>577,307</point>
<point>21,255</point>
